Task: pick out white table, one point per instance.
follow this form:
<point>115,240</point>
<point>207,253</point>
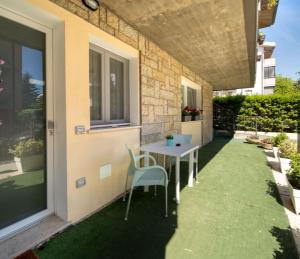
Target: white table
<point>175,151</point>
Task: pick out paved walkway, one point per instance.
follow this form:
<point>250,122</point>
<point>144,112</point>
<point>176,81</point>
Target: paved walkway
<point>282,185</point>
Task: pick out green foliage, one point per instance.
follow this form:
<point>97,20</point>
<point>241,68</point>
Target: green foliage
<point>287,148</point>
<point>272,3</point>
<point>169,137</point>
<point>285,85</point>
<point>28,147</point>
<point>277,140</point>
<point>294,173</point>
<point>276,113</point>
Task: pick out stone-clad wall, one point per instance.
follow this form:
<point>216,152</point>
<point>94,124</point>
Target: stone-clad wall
<point>160,76</point>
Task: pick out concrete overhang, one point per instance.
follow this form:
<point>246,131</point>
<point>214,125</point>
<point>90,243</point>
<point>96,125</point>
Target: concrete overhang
<point>215,39</point>
<point>267,14</point>
<point>268,49</point>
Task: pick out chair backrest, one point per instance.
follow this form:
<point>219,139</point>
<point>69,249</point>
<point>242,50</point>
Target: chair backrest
<point>182,139</point>
<point>132,166</point>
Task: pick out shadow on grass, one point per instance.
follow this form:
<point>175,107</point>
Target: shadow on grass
<point>273,191</point>
<point>284,238</point>
<point>146,234</point>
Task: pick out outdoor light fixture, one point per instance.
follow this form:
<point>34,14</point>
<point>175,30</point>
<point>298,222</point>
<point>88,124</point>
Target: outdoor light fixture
<point>92,4</point>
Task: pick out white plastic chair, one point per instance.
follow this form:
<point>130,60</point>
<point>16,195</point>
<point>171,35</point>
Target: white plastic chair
<point>145,176</point>
<point>184,139</point>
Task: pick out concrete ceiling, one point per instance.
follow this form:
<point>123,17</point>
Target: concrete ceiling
<point>214,38</point>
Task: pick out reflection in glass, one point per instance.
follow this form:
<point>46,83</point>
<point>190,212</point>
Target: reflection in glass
<point>95,86</point>
<point>22,122</point>
<point>116,90</point>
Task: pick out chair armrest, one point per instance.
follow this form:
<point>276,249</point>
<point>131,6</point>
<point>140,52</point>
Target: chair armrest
<point>146,168</point>
<point>145,156</point>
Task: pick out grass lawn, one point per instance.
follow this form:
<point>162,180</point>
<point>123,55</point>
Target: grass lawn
<point>234,212</point>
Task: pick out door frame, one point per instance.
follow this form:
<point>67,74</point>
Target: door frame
<point>29,221</point>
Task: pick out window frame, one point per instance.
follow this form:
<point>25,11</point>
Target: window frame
<point>105,90</point>
<point>186,83</point>
<point>267,70</point>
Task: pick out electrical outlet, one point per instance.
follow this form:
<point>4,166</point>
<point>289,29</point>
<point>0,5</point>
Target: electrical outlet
<point>80,182</point>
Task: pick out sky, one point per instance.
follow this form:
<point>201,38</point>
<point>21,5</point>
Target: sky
<point>286,33</point>
<point>32,63</point>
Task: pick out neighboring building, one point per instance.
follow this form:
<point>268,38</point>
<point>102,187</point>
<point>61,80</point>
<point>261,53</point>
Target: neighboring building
<point>77,85</point>
<point>265,74</point>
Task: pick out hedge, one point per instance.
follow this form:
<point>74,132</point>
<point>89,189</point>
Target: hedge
<point>266,112</point>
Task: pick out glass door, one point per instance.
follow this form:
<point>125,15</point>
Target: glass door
<point>23,138</point>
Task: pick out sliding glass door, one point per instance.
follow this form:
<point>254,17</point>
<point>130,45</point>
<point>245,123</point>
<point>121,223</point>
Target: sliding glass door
<point>23,138</point>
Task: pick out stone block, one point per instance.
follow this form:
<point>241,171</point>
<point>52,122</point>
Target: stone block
<point>112,20</point>
<point>152,128</point>
<point>128,31</point>
<point>102,13</point>
<point>62,3</point>
<point>94,17</point>
<point>107,28</point>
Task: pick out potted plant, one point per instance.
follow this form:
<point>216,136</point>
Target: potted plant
<point>186,114</point>
<point>266,143</point>
<point>253,139</point>
<point>293,178</point>
<point>29,155</point>
<point>286,150</point>
<point>271,4</point>
<point>261,38</point>
<point>170,140</point>
<point>195,114</point>
<point>276,141</point>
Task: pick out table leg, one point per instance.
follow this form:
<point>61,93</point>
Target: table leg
<point>177,181</point>
<point>146,161</point>
<point>191,169</point>
<point>196,175</point>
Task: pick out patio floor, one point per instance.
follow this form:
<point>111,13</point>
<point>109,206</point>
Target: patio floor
<point>234,212</point>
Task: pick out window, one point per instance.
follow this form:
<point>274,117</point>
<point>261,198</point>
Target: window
<point>190,94</point>
<point>109,91</point>
<point>269,72</point>
<point>189,97</point>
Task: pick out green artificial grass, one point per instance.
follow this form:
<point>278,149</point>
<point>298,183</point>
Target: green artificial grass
<point>234,212</point>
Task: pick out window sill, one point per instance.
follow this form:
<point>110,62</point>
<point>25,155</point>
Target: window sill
<point>109,129</point>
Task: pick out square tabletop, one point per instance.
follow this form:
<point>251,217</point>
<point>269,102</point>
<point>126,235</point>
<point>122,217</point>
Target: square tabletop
<point>163,149</point>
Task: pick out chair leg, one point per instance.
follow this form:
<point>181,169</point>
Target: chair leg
<point>170,170</point>
<point>128,204</point>
<point>124,196</point>
<point>166,187</point>
<point>155,190</point>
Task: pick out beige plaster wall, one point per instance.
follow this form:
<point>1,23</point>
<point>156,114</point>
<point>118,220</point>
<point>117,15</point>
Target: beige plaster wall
<point>160,97</point>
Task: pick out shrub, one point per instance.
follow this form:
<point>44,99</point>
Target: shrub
<point>275,112</point>
<point>294,172</point>
<point>28,147</point>
<point>279,139</point>
<point>287,149</point>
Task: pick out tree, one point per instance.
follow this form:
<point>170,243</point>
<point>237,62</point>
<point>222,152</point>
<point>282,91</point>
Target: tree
<point>285,85</point>
<point>298,81</point>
